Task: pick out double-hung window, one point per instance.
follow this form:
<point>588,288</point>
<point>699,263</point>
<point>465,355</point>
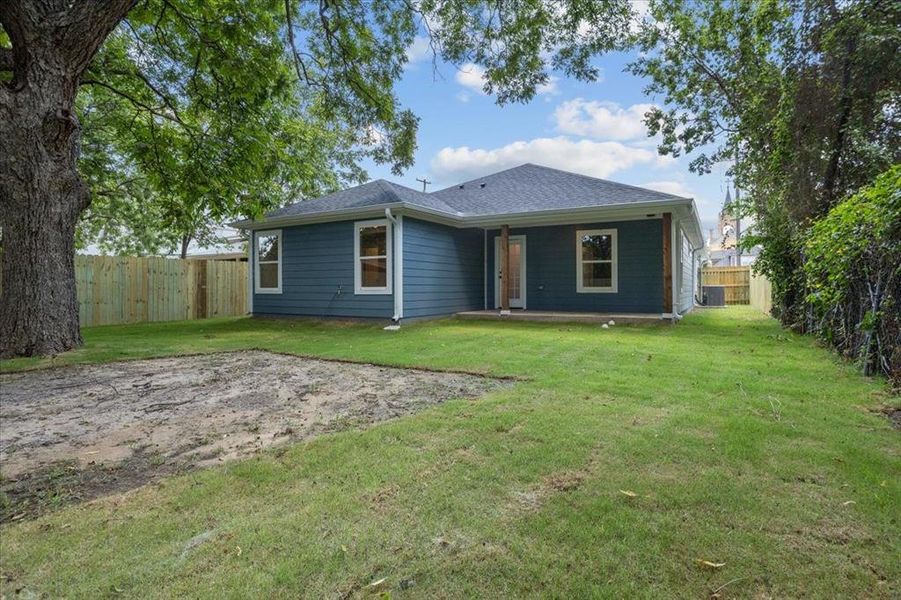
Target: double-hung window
<point>372,257</point>
<point>268,262</point>
<point>596,261</point>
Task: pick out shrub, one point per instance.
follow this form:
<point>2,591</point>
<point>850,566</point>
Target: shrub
<point>853,274</point>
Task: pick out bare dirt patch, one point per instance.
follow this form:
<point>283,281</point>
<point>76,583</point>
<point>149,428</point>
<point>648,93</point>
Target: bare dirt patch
<point>80,432</point>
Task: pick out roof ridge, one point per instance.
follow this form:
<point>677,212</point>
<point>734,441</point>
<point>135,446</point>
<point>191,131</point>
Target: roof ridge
<point>610,181</point>
<point>457,185</point>
<point>563,172</point>
<point>401,186</point>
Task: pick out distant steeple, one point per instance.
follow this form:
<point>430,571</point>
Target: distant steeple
<point>730,227</point>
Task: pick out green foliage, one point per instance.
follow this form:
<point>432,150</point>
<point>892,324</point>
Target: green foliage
<point>195,113</point>
<point>853,273</point>
<point>801,98</point>
<point>713,64</point>
<point>518,42</point>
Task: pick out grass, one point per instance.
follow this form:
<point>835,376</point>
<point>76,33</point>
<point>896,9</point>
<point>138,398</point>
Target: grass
<point>627,456</point>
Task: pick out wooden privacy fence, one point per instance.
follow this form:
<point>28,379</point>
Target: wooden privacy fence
<point>741,286</point>
<point>761,293</point>
<point>735,280</point>
<point>127,289</point>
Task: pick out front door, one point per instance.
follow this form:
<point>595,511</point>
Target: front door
<point>517,271</point>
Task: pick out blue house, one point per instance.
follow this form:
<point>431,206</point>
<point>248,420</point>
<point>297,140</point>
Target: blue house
<point>530,239</point>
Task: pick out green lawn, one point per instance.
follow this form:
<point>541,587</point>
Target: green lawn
<point>742,444</point>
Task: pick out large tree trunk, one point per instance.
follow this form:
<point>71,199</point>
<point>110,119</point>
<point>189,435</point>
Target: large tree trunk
<point>41,196</point>
<point>41,193</point>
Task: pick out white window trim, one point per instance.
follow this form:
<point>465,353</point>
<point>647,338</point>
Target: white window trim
<point>358,272</point>
<point>256,261</point>
<point>614,279</point>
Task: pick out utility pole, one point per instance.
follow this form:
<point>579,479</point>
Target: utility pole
<point>737,214</point>
<point>424,182</point>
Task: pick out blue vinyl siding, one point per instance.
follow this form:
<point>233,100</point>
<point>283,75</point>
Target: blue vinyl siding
<point>443,269</point>
<point>551,268</point>
<point>317,260</point>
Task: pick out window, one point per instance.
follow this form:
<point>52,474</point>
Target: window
<point>372,262</point>
<point>268,262</point>
<point>596,261</point>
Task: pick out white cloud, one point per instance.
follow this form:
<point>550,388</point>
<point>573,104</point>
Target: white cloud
<point>641,10</point>
<point>551,88</point>
<point>602,120</point>
<point>708,207</point>
<point>472,76</point>
<point>419,50</point>
<point>373,136</point>
<point>598,159</point>
<point>677,188</point>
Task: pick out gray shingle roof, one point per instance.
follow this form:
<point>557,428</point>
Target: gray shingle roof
<point>521,189</point>
<point>531,187</point>
<point>374,193</point>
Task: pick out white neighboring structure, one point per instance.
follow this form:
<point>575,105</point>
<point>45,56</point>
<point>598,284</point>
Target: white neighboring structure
<point>233,247</point>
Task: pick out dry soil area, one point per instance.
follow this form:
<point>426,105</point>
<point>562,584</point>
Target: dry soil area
<point>79,432</point>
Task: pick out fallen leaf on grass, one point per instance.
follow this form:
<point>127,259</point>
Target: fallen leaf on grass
<point>849,503</point>
<point>377,584</point>
<point>709,565</point>
<point>628,493</point>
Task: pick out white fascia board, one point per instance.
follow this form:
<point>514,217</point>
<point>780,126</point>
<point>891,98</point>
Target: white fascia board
<point>341,214</point>
<point>691,224</point>
<point>587,214</point>
<point>352,214</point>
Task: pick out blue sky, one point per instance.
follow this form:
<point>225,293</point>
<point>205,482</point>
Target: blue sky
<point>591,128</point>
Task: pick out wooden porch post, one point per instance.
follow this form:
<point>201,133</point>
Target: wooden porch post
<point>505,268</point>
<point>667,263</point>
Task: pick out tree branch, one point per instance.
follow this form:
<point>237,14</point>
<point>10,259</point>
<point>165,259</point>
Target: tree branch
<point>299,65</point>
<point>87,24</point>
<point>138,103</point>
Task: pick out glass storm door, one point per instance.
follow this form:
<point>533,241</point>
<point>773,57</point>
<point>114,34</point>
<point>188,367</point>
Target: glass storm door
<point>517,271</point>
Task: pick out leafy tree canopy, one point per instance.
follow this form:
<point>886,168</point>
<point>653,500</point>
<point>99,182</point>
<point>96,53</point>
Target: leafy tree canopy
<point>197,112</point>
